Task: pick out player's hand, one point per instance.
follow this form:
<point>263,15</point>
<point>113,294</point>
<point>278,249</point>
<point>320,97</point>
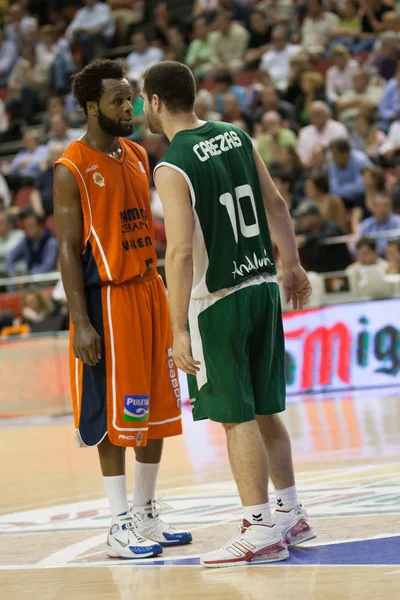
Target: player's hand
<point>181,354</point>
<point>296,286</point>
<point>87,344</point>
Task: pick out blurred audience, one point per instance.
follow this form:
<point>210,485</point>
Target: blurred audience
<point>311,90</point>
<point>332,208</point>
<point>339,77</point>
<point>8,57</point>
<point>199,54</point>
<point>367,137</point>
<point>9,239</point>
<point>38,248</point>
<point>393,257</point>
<point>92,28</point>
<point>389,107</point>
<point>25,165</point>
<point>276,60</point>
<point>260,37</point>
<point>366,255</point>
<point>36,306</point>
<point>321,132</point>
<point>229,43</point>
<point>361,98</point>
<point>317,26</point>
<point>383,221</point>
<point>143,56</point>
<point>274,137</point>
<point>41,197</point>
<point>345,172</point>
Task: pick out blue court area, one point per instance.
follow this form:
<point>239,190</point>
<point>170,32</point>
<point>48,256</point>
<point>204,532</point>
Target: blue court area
<point>382,551</point>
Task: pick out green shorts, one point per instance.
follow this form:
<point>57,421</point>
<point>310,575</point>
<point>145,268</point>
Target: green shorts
<point>238,338</point>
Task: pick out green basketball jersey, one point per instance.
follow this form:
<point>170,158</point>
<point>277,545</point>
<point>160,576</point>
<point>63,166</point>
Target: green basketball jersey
<point>231,236</point>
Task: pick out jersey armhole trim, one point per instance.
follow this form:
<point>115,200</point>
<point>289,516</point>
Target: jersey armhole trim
<point>184,175</point>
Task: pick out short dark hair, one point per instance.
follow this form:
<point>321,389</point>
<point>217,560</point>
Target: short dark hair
<point>87,85</point>
<point>173,83</point>
<point>321,182</point>
<point>28,212</point>
<point>368,242</point>
<point>341,145</point>
<point>224,77</point>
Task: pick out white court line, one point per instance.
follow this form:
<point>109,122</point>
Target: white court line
<point>393,572</point>
<point>70,552</point>
<point>131,563</point>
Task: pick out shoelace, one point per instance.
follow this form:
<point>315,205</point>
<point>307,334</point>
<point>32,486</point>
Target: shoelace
<point>132,521</point>
<point>157,504</point>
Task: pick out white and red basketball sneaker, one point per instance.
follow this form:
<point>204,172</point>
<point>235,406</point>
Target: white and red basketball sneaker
<point>124,541</point>
<point>294,525</point>
<point>154,528</point>
<point>250,544</point>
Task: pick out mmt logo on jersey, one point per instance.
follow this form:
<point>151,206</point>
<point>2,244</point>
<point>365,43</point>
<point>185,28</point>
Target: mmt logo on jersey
<point>136,408</point>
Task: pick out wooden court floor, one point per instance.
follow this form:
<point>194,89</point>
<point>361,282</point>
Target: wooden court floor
<point>54,515</point>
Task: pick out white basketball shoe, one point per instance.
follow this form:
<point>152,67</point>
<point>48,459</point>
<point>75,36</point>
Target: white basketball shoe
<point>294,526</point>
<point>250,544</point>
<point>154,528</point>
<point>124,541</point>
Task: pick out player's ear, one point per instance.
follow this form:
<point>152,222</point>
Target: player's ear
<point>92,108</point>
<point>156,102</point>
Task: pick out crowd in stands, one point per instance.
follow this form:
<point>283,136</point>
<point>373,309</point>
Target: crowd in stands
<point>315,83</point>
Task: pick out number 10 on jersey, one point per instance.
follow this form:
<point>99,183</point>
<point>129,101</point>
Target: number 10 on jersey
<point>227,200</point>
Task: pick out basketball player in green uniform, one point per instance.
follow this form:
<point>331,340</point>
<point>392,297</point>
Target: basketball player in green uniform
<point>217,195</point>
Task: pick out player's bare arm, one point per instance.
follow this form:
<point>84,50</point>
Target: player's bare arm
<point>69,225</point>
<point>178,216</point>
<point>295,281</point>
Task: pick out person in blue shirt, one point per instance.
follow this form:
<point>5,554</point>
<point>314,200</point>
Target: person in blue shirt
<point>224,84</point>
<point>8,57</point>
<point>38,248</point>
<point>345,173</point>
<point>383,220</point>
<point>26,163</point>
<point>389,107</point>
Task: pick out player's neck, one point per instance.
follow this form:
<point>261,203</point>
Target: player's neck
<point>100,141</point>
<point>181,123</point>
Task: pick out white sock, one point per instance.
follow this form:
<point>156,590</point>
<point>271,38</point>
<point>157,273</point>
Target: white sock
<point>116,493</point>
<point>259,513</point>
<point>286,499</point>
<point>144,487</point>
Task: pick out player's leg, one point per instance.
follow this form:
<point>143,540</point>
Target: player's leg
<point>164,414</point>
<point>223,393</point>
<point>268,373</point>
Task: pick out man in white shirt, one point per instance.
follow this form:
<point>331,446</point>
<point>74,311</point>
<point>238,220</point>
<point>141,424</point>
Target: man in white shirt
<point>339,77</point>
<point>317,26</point>
<point>93,28</point>
<point>229,43</point>
<point>276,60</point>
<point>322,131</point>
<point>143,57</point>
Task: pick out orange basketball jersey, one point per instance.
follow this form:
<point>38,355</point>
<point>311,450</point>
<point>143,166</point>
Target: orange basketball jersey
<point>118,239</point>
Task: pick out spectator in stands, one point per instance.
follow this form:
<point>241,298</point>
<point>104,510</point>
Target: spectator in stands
<point>274,137</point>
<point>18,24</point>
<point>260,36</point>
<point>4,122</point>
<point>345,172</point>
<point>46,49</point>
<point>383,220</point>
<point>386,55</point>
<point>177,47</point>
<point>223,84</point>
<point>143,56</point>
<point>371,23</point>
<point>317,27</point>
<point>277,11</point>
<point>391,147</point>
<point>366,255</point>
<point>61,134</point>
<point>36,306</point>
<point>229,43</point>
<point>290,164</point>
<point>270,101</point>
<point>366,136</point>
<point>311,230</point>
<point>389,108</point>
<point>93,28</point>
<point>9,239</point>
<point>25,165</point>
<point>311,90</point>
<point>8,57</point>
<point>332,207</point>
<point>322,131</point>
<point>199,54</point>
<point>4,193</point>
<point>348,30</point>
<point>362,97</point>
<point>231,111</point>
<point>298,65</point>
<point>339,77</point>
<point>137,111</point>
<point>204,106</point>
<point>41,197</point>
<point>207,9</point>
<point>393,257</point>
<point>374,183</point>
<point>284,184</point>
<point>38,248</point>
<point>276,60</point>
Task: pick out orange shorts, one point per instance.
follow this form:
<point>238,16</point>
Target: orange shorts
<point>133,393</point>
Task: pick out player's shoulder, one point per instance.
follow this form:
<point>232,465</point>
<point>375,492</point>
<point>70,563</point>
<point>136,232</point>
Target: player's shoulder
<point>74,151</point>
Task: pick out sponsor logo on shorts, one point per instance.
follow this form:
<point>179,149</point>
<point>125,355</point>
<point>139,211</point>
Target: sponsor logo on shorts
<point>98,179</point>
<point>136,408</point>
<point>173,375</point>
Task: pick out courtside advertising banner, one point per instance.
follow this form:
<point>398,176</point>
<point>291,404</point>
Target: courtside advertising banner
<point>343,347</point>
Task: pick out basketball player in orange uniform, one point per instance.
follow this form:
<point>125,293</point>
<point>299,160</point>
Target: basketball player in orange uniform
<point>124,383</point>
